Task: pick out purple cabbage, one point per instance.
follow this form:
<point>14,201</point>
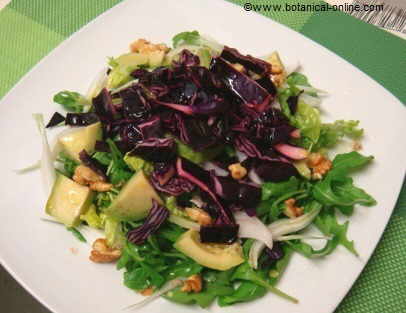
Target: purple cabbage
<point>55,120</point>
<point>275,171</point>
<point>151,128</point>
<point>81,119</point>
<point>251,63</point>
<point>135,104</point>
<point>241,86</point>
<point>219,233</point>
<point>156,217</point>
<point>155,149</point>
<point>95,165</point>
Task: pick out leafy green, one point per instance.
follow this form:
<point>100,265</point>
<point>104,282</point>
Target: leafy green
<point>118,170</point>
<point>77,234</point>
<point>197,157</point>
<point>104,199</point>
<point>137,164</point>
<point>172,205</point>
<point>246,291</point>
<point>71,101</point>
<point>337,189</point>
<point>68,164</point>
<point>331,133</point>
<point>103,157</point>
<point>246,273</point>
<point>92,218</point>
<point>114,234</point>
<point>188,38</point>
<point>277,189</point>
<point>307,119</point>
<point>215,284</point>
<point>296,78</point>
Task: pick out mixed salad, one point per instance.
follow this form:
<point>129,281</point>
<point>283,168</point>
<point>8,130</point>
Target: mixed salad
<point>203,167</point>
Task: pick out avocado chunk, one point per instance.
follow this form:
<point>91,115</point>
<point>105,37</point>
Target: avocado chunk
<point>135,199</point>
<point>216,256</point>
<point>83,138</point>
<point>68,201</point>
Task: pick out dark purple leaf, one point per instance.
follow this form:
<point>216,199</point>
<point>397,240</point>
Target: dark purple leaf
<point>136,104</point>
<point>131,134</point>
<point>226,234</point>
<point>163,172</point>
<point>251,63</point>
<point>186,58</point>
<point>275,171</point>
<point>95,165</point>
<point>276,253</point>
<point>151,128</point>
<point>55,120</point>
<point>156,217</point>
<point>176,186</point>
<point>156,149</point>
<point>243,87</point>
<point>81,119</point>
<point>103,105</point>
<point>292,103</point>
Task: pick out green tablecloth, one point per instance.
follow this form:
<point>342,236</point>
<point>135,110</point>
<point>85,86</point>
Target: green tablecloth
<point>29,29</point>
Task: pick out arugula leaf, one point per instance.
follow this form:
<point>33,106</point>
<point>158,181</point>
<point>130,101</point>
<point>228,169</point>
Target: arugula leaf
<point>277,189</point>
<point>118,170</point>
<point>189,38</point>
<point>246,291</point>
<point>183,269</point>
<point>246,273</point>
<point>71,101</point>
<point>69,165</point>
<point>331,133</point>
<point>104,158</point>
<point>76,233</point>
<point>337,189</point>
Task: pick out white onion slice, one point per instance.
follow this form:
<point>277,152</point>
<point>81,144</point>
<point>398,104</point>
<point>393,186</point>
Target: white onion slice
<point>294,237</point>
<point>208,166</point>
<point>252,227</point>
<point>98,83</point>
<point>183,222</point>
<point>279,229</point>
<point>254,177</point>
<point>167,287</point>
<point>47,161</point>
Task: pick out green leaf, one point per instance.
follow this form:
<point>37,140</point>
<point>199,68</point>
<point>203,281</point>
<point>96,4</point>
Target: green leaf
<point>277,189</point>
<point>77,234</point>
<point>332,133</point>
<point>296,78</point>
<point>137,164</point>
<point>337,189</point>
<point>71,101</point>
<point>172,205</point>
<point>69,165</point>
<point>118,170</point>
<point>92,218</point>
<point>197,157</point>
<point>245,272</point>
<point>103,157</point>
<point>189,38</point>
<point>183,269</point>
<point>307,119</point>
<point>246,291</point>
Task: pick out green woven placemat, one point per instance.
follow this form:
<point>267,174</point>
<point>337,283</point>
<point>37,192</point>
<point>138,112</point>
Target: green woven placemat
<point>29,29</point>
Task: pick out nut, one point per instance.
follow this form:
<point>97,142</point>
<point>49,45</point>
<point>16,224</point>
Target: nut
<point>144,46</point>
<point>198,215</point>
<point>193,283</point>
<point>101,253</point>
<point>86,176</point>
<point>237,171</point>
<point>278,72</point>
<point>291,210</point>
<point>319,164</point>
<point>356,146</point>
<point>100,186</point>
<point>147,291</point>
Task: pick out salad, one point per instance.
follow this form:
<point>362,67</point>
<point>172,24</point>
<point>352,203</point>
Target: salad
<point>203,168</point>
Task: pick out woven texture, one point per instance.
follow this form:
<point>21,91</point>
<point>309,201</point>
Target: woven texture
<point>29,29</point>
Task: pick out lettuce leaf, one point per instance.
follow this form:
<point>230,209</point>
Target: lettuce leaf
<point>71,101</point>
<point>307,119</point>
<point>332,133</point>
<point>92,218</point>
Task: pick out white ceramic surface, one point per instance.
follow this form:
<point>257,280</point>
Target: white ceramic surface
<point>38,253</point>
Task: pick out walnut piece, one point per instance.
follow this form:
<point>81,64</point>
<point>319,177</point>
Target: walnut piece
<point>319,164</point>
<point>291,210</point>
<point>101,253</point>
<point>192,284</point>
<point>198,215</point>
<point>237,171</point>
<point>144,46</point>
<point>147,291</point>
<point>86,176</point>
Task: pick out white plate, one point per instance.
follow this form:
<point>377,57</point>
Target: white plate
<point>38,253</point>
